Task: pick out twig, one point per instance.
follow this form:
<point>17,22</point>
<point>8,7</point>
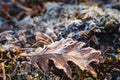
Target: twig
<point>14,72</point>
<point>106,50</point>
<point>45,75</point>
<point>3,69</point>
<point>63,77</point>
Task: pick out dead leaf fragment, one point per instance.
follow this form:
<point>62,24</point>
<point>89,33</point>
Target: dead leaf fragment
<point>4,10</point>
<point>27,22</point>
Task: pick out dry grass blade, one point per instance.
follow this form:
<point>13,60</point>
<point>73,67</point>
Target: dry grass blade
<point>3,69</point>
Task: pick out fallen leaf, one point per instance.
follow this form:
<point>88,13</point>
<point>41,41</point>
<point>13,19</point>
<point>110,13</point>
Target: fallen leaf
<point>25,23</point>
<point>60,52</point>
<point>4,10</point>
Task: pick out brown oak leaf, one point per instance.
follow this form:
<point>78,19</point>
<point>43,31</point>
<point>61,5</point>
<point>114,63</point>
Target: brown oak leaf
<point>60,52</point>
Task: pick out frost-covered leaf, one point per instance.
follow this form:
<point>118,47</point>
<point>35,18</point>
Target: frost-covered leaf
<point>26,22</point>
<point>60,52</point>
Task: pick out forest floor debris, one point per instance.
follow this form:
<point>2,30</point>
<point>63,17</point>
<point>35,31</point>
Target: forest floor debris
<point>51,35</point>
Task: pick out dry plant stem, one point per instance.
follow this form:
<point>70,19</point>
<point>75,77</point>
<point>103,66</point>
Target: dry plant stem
<point>21,6</point>
<point>106,50</point>
<point>14,72</point>
<point>90,38</point>
<point>24,8</point>
<point>3,69</point>
<point>23,49</point>
<point>63,76</point>
<point>41,71</point>
<point>88,42</point>
<point>6,32</point>
<point>35,44</point>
